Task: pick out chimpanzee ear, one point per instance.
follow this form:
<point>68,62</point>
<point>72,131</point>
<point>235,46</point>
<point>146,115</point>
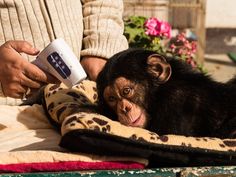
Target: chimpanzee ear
<point>159,68</point>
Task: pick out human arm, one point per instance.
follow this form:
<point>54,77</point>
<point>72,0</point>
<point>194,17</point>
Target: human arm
<point>103,33</point>
<point>93,65</point>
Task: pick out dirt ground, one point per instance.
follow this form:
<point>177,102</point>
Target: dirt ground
<point>219,42</point>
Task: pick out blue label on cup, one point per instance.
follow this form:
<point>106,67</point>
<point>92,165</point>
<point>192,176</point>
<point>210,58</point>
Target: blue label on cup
<point>59,65</point>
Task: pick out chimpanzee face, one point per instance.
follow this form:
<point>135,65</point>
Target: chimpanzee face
<point>124,98</point>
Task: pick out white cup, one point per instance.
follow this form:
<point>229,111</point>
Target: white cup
<point>59,60</point>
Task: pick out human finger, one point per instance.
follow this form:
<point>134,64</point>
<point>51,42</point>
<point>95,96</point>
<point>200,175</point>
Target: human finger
<point>28,82</point>
<point>35,73</point>
<point>14,90</point>
<point>22,46</point>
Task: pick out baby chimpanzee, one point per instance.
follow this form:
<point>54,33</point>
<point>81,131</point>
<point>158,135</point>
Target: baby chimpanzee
<point>143,89</point>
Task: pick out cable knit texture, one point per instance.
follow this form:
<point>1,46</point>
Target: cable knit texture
<point>90,27</point>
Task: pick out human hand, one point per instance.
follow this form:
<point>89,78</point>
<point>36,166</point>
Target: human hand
<point>92,66</point>
<point>17,74</point>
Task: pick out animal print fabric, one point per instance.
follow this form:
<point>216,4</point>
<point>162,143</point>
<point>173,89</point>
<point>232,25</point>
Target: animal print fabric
<point>66,107</point>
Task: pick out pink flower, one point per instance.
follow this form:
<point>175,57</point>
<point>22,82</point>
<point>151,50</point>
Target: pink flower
<point>191,62</point>
<point>173,46</point>
<point>165,29</point>
<point>194,46</point>
<point>187,45</point>
<point>152,27</point>
<point>152,32</point>
<point>155,27</point>
<point>181,37</point>
<point>152,23</point>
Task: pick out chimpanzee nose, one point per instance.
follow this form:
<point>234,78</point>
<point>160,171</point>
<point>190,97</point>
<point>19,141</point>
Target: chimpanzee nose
<point>125,110</point>
<point>125,106</point>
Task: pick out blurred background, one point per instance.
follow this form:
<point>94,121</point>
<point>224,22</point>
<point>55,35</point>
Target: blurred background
<point>213,22</point>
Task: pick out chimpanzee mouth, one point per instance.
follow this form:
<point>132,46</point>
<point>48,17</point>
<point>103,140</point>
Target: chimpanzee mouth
<point>139,121</point>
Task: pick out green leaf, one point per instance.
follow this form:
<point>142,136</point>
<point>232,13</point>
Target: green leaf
<point>135,32</point>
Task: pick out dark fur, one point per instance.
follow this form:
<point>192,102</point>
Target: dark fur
<point>189,103</point>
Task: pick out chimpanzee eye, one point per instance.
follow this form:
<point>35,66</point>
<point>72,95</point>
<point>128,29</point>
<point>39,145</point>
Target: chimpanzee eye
<point>126,91</point>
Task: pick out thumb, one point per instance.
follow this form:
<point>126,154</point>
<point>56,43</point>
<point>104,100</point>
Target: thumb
<point>23,47</point>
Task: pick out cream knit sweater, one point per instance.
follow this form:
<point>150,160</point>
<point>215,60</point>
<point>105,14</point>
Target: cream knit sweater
<point>90,27</point>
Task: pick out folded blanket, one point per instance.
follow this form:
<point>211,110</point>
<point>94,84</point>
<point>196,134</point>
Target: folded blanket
<point>84,130</point>
<point>29,143</point>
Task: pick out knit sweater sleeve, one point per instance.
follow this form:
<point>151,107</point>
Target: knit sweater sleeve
<point>103,28</point>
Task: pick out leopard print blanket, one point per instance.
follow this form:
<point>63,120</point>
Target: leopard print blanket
<point>66,108</point>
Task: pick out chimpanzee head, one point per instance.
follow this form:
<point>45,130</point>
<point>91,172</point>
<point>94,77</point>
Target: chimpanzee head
<point>125,82</point>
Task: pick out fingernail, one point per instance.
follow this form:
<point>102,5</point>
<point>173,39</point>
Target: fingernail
<point>35,49</point>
